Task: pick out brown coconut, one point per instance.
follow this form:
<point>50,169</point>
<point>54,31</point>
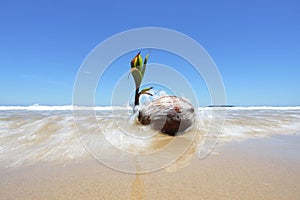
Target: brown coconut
<point>169,114</point>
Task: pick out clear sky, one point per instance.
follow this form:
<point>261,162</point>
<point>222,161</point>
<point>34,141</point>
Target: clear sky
<point>255,44</point>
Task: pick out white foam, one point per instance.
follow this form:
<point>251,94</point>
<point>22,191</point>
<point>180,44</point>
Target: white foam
<point>29,137</point>
<point>252,108</point>
<point>36,107</point>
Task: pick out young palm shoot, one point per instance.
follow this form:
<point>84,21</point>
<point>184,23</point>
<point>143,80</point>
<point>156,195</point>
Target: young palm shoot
<point>138,68</point>
<point>170,114</point>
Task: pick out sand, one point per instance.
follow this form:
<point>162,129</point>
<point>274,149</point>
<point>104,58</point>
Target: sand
<point>266,168</point>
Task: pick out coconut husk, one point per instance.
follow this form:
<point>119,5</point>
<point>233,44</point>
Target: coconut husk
<point>170,114</point>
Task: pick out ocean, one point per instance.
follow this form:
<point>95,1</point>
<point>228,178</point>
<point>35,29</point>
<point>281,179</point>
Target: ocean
<point>36,134</point>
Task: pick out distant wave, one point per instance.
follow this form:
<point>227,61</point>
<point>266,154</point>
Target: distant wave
<point>252,108</point>
<point>62,108</point>
<point>37,107</point>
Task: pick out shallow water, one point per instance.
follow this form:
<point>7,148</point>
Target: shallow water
<point>28,136</point>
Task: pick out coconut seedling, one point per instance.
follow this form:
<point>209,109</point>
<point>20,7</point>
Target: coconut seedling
<point>169,114</point>
<point>138,68</point>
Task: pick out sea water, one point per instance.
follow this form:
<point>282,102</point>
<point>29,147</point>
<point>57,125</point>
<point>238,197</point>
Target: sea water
<point>32,134</point>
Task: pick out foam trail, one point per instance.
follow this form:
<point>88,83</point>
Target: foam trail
<point>33,134</point>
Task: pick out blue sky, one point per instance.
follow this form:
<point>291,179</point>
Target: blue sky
<point>255,44</point>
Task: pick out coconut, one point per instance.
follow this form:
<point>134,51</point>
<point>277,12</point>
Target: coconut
<point>170,114</point>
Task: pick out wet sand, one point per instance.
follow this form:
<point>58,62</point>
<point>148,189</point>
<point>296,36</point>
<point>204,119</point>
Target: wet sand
<point>266,168</point>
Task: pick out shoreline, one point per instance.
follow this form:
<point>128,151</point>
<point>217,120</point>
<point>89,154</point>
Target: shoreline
<point>261,168</point>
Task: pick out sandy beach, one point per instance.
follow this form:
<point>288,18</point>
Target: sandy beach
<point>150,100</point>
<point>266,168</point>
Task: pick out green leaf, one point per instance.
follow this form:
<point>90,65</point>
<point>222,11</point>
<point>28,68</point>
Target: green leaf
<point>144,66</point>
<point>139,63</point>
<point>146,89</point>
<point>134,61</point>
<point>137,76</point>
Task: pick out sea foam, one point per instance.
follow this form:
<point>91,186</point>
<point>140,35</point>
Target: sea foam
<point>30,134</point>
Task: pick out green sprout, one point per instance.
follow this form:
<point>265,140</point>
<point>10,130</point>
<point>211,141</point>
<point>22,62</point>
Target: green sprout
<point>138,68</point>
